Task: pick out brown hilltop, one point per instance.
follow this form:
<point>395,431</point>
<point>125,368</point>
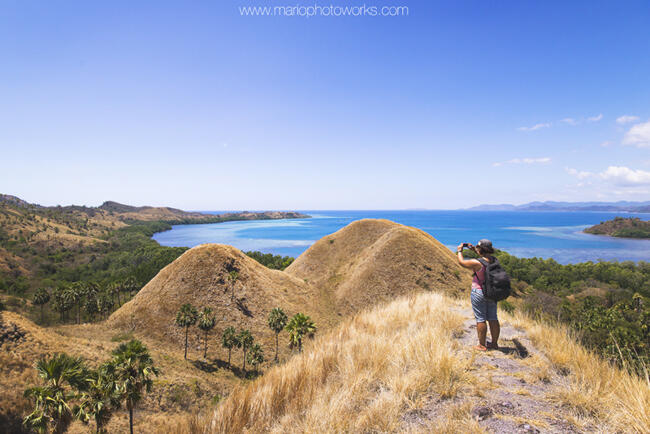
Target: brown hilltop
<point>200,277</point>
<point>371,261</point>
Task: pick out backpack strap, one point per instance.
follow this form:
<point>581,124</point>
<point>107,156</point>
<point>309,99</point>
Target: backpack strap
<point>485,265</point>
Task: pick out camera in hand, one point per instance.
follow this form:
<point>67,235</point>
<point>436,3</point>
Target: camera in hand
<point>467,246</point>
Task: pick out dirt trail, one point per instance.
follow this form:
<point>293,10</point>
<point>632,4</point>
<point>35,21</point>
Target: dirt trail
<point>513,387</point>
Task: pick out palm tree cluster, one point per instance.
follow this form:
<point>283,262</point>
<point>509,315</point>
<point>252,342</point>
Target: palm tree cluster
<point>251,351</point>
<point>72,390</point>
<point>88,298</point>
<point>298,327</point>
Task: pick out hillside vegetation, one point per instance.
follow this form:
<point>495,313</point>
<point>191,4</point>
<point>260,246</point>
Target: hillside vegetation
<point>180,387</point>
<point>631,227</point>
<point>107,249</point>
<point>606,303</point>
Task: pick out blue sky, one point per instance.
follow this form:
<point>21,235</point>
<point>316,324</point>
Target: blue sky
<point>192,105</point>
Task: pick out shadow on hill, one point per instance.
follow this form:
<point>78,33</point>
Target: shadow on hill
<point>214,365</point>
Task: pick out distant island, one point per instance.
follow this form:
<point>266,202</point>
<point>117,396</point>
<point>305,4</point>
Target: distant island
<point>622,227</point>
<point>127,213</point>
<point>621,206</point>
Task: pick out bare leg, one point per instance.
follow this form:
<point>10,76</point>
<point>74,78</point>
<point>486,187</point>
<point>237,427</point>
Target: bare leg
<point>481,329</point>
<point>495,329</point>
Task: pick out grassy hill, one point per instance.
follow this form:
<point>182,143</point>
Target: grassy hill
<point>370,261</point>
<point>622,227</point>
<point>200,277</point>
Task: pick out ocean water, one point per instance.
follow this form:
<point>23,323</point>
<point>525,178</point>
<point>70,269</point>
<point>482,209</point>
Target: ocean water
<point>556,235</point>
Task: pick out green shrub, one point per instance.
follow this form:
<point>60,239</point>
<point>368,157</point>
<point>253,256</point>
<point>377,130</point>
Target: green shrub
<point>507,306</point>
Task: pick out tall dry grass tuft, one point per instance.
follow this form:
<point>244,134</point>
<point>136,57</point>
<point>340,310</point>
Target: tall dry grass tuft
<point>360,377</point>
<point>596,389</point>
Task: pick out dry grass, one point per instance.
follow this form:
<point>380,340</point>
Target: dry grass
<point>540,372</point>
<point>594,390</point>
<point>370,371</point>
<point>359,378</point>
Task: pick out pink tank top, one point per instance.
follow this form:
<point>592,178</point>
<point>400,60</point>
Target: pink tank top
<point>477,282</point>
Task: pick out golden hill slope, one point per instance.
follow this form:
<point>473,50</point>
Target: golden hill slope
<point>371,261</point>
<point>200,277</point>
<point>409,367</point>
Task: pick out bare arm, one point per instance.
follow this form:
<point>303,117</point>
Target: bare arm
<point>472,264</point>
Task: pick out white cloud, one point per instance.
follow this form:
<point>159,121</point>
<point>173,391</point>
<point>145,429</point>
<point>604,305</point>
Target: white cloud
<point>606,143</point>
<point>567,121</point>
<point>542,160</point>
<point>580,174</point>
<point>618,175</point>
<point>626,119</point>
<point>625,176</point>
<point>535,127</point>
<point>638,135</point>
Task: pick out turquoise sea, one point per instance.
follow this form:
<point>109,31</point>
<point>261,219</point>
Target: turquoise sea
<point>556,235</point>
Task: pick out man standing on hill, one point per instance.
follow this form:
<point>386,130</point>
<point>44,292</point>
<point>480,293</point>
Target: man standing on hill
<point>484,308</point>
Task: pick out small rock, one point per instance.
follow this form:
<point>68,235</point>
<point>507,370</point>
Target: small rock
<point>529,429</point>
<point>482,413</point>
<point>507,404</point>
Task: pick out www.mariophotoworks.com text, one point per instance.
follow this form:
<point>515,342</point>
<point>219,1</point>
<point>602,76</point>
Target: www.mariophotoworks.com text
<point>323,10</point>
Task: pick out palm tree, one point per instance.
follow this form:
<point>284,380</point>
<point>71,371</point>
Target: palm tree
<point>229,340</point>
<point>60,373</point>
<point>232,278</point>
<point>244,341</point>
<point>104,304</point>
<point>75,294</point>
<point>255,355</point>
<point>186,317</point>
<point>206,323</point>
<point>132,368</point>
<point>300,326</point>
<point>61,302</point>
<point>91,303</point>
<point>41,297</point>
<point>101,399</point>
<point>130,285</point>
<point>117,287</point>
<point>277,322</point>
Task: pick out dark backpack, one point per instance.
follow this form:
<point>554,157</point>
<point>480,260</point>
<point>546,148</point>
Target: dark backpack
<point>497,282</point>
